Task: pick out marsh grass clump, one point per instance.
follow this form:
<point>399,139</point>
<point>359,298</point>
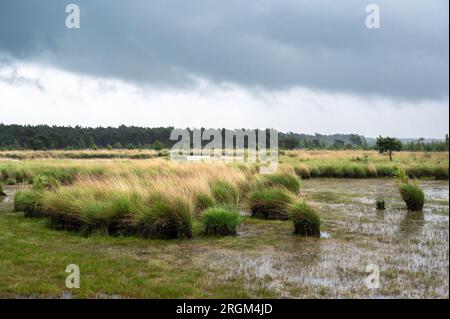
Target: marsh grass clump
<point>441,172</point>
<point>220,221</point>
<point>303,171</point>
<point>271,203</point>
<point>413,196</point>
<point>381,204</point>
<point>305,218</point>
<point>166,218</point>
<point>41,182</point>
<point>203,201</point>
<point>371,170</point>
<point>10,181</point>
<point>410,191</point>
<point>113,215</point>
<point>2,193</point>
<point>29,203</point>
<point>327,171</point>
<point>420,171</point>
<point>64,207</point>
<point>314,171</point>
<point>224,193</point>
<point>339,172</point>
<point>287,180</point>
<point>385,171</point>
<point>349,172</point>
<point>360,172</point>
<point>64,175</point>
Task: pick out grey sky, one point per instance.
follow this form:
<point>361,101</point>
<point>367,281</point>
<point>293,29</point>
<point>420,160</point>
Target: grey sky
<point>267,45</point>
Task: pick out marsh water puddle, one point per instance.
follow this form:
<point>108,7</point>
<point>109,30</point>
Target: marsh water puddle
<point>6,202</point>
<point>411,249</point>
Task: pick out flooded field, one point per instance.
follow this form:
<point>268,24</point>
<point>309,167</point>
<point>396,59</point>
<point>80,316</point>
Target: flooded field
<point>264,259</point>
<point>411,249</point>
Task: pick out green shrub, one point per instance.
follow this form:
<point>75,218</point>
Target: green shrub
<point>270,203</point>
<point>289,181</point>
<point>28,202</point>
<point>220,221</point>
<point>413,196</point>
<point>166,218</point>
<point>306,220</point>
<point>224,193</point>
<point>381,205</point>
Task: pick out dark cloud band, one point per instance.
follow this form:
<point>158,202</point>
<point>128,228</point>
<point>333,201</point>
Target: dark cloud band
<point>272,44</point>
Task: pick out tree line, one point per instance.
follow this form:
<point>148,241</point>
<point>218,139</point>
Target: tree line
<point>44,137</point>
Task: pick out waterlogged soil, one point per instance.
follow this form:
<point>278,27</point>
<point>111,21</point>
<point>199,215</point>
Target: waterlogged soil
<point>411,251</point>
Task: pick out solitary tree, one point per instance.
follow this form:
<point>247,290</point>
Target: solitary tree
<point>388,145</point>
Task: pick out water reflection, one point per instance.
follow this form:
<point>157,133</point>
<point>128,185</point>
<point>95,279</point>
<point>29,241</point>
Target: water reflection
<point>380,214</point>
<point>412,223</point>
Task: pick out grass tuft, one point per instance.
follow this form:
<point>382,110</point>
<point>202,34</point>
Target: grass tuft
<point>305,218</point>
<point>270,203</point>
<point>203,201</point>
<point>441,172</point>
<point>410,192</point>
<point>29,203</point>
<point>220,221</point>
<point>287,180</point>
<point>166,218</point>
<point>303,171</point>
<point>224,193</point>
<point>381,204</point>
<point>413,196</point>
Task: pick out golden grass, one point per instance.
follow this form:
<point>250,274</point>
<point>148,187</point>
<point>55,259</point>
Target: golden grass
<point>373,156</point>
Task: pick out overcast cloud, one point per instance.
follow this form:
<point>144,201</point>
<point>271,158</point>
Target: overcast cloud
<point>287,60</point>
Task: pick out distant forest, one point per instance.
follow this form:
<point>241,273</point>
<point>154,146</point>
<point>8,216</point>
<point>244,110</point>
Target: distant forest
<point>44,137</point>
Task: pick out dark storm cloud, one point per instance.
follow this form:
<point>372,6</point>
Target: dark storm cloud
<point>273,44</point>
